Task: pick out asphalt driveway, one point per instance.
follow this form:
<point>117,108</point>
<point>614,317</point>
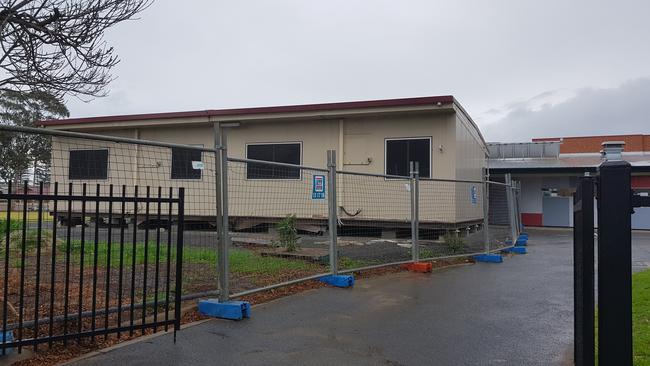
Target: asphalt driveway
<point>518,312</point>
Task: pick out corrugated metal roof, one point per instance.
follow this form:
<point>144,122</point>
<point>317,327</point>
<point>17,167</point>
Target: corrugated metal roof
<point>523,150</point>
<point>565,162</point>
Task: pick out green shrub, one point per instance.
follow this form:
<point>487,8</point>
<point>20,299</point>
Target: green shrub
<point>13,226</point>
<point>288,234</point>
<point>454,242</point>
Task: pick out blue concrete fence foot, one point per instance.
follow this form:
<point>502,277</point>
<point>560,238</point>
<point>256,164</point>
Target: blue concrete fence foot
<point>338,280</point>
<point>521,242</point>
<point>6,337</point>
<point>233,310</point>
<point>515,250</point>
<point>489,258</point>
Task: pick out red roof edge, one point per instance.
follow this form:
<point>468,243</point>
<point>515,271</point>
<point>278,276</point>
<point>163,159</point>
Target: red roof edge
<point>402,102</point>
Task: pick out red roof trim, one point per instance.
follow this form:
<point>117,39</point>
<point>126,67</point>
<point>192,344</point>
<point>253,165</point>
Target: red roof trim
<point>403,102</point>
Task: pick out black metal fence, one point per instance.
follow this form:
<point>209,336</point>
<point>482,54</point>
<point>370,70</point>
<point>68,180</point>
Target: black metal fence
<point>615,204</point>
<point>101,276</point>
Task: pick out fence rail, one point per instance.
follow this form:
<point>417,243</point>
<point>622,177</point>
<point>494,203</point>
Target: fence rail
<point>75,284</point>
<point>245,225</point>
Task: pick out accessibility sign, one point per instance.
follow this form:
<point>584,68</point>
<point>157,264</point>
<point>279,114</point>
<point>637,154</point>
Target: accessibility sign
<point>473,195</point>
<point>318,188</point>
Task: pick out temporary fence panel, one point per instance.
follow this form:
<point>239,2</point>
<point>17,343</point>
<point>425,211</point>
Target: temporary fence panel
<point>278,218</point>
<point>500,220</point>
<point>82,160</point>
<point>451,218</point>
<point>74,159</point>
<point>374,216</point>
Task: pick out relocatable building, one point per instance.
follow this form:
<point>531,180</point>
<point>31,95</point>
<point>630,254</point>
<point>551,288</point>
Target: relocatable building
<point>376,137</point>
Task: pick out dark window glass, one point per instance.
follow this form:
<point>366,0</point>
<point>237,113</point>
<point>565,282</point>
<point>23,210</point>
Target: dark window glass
<point>88,164</point>
<point>400,152</point>
<point>279,153</point>
<point>182,164</point>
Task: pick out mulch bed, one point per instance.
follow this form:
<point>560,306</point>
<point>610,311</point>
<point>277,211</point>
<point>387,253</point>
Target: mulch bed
<point>58,354</point>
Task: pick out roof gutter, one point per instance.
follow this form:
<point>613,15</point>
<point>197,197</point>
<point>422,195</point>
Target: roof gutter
<point>296,111</point>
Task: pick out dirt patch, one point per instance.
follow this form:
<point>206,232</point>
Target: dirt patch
<point>307,254</point>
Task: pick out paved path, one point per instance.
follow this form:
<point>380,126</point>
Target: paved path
<point>515,313</point>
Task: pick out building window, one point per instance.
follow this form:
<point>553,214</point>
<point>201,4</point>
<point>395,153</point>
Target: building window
<point>184,163</point>
<point>288,153</point>
<point>399,152</point>
<point>88,164</point>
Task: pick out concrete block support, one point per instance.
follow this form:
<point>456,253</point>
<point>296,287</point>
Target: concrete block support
<point>489,258</point>
<point>516,250</point>
<point>521,242</point>
<point>6,337</point>
<point>338,280</point>
<point>422,267</point>
<point>233,310</point>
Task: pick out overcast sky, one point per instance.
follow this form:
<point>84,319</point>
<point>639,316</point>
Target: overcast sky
<point>521,68</point>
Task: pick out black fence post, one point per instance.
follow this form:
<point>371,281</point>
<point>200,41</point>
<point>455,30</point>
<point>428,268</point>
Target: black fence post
<point>614,264</point>
<point>583,272</point>
<point>179,261</point>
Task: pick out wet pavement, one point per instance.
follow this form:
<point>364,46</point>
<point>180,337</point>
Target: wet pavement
<point>519,312</point>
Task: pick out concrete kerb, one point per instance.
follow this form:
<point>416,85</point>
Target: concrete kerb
<point>127,343</point>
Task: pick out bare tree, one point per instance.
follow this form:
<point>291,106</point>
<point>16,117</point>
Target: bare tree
<point>58,46</point>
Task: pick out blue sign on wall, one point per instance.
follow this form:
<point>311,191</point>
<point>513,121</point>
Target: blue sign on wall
<point>473,195</point>
<point>318,188</point>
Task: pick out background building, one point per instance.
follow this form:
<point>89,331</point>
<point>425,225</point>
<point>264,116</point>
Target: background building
<point>548,169</point>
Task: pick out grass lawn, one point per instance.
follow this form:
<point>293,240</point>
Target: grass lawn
<point>640,318</point>
<point>32,216</point>
<point>241,261</point>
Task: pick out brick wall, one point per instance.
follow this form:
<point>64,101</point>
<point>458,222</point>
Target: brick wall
<point>593,144</point>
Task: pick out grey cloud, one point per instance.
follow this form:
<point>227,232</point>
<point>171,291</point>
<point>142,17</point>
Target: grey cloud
<point>222,54</point>
<point>592,111</point>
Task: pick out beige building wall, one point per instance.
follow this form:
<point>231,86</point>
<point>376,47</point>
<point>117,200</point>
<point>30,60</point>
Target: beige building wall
<point>360,145</point>
<point>470,163</point>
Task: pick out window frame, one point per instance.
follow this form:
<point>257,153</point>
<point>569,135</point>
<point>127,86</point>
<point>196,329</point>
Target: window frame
<point>171,163</point>
<point>430,138</point>
<point>108,163</point>
<point>275,143</point>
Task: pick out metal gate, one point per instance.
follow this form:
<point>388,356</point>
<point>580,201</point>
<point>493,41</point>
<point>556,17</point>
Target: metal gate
<point>96,274</point>
<point>615,202</point>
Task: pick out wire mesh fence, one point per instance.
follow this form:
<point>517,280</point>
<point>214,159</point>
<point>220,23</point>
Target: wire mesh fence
<point>90,233</point>
<point>278,224</point>
<point>501,223</point>
<point>451,218</point>
<point>285,223</point>
<point>374,216</point>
